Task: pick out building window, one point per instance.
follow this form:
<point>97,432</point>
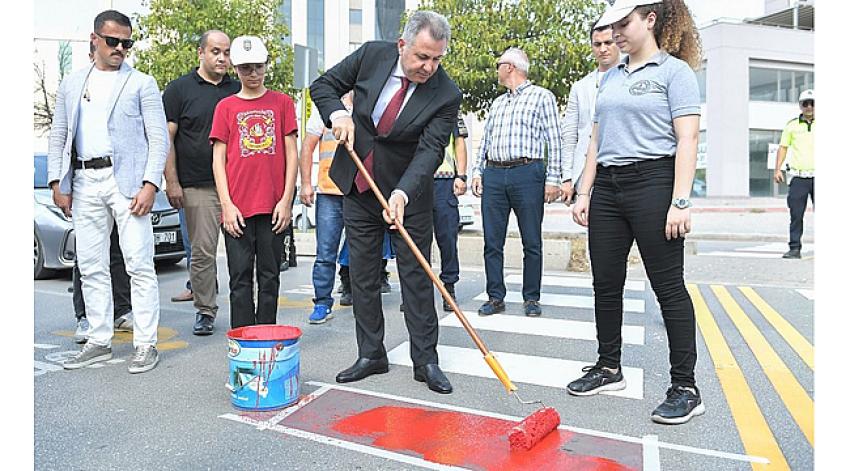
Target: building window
<point>701,74</point>
<point>699,187</point>
<point>355,24</point>
<point>388,19</point>
<point>779,85</point>
<point>761,171</point>
<point>286,17</point>
<point>316,28</point>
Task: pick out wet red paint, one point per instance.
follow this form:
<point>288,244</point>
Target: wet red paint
<point>265,332</point>
<point>467,440</point>
<point>534,428</point>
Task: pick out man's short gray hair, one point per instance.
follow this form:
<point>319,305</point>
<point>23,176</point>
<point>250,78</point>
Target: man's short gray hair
<point>515,56</point>
<point>434,22</point>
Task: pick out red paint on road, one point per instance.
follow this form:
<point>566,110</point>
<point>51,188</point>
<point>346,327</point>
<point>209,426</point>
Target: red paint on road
<point>467,440</point>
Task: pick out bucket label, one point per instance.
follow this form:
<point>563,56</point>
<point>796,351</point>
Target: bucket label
<point>233,348</point>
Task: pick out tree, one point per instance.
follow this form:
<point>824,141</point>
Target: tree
<point>45,99</point>
<point>553,33</point>
<point>173,29</point>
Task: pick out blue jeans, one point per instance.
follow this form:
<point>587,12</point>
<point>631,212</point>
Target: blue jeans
<point>184,234</point>
<point>389,252</point>
<point>328,234</point>
<point>519,189</point>
<point>446,224</point>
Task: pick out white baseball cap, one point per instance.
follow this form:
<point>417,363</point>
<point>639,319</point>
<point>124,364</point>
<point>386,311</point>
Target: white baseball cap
<point>248,50</point>
<point>806,95</point>
<point>621,9</point>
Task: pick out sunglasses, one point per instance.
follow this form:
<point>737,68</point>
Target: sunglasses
<point>807,103</point>
<point>247,69</point>
<point>113,42</point>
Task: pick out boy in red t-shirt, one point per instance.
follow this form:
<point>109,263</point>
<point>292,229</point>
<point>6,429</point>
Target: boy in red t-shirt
<point>254,163</point>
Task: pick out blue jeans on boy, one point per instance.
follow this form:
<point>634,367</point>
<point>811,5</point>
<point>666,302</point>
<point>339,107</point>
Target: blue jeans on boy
<point>328,233</point>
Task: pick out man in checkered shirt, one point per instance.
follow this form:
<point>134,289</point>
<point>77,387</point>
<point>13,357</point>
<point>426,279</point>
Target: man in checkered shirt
<point>518,168</point>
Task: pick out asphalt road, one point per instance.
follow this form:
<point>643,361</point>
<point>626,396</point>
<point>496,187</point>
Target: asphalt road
<point>179,415</point>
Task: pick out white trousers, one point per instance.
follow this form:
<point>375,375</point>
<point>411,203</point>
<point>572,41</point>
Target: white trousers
<point>96,203</point>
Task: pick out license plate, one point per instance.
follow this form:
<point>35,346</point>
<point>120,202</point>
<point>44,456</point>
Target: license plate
<point>169,237</point>
<point>466,218</point>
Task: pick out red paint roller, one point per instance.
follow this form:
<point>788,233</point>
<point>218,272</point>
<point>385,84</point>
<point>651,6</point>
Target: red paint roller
<point>533,428</point>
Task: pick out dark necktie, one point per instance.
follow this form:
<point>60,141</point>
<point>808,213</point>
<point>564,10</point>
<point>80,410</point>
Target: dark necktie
<point>385,125</point>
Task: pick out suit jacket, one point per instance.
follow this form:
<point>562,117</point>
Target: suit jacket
<point>137,130</point>
<point>408,156</point>
<point>576,126</point>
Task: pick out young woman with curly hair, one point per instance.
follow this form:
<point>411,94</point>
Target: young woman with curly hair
<point>640,167</point>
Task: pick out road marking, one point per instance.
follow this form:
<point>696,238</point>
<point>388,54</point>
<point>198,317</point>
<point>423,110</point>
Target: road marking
<point>755,434</point>
<point>566,300</point>
<point>530,369</point>
<point>45,346</point>
<point>560,328</point>
<point>299,291</point>
<point>807,293</point>
<point>721,253</point>
<point>574,282</point>
<point>795,398</point>
<point>651,453</point>
<point>41,367</point>
<point>598,433</point>
<point>791,335</point>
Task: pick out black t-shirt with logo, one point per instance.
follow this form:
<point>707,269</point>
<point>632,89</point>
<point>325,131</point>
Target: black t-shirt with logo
<point>190,102</point>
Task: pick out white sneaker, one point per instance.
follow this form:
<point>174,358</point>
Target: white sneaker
<point>90,354</point>
<point>82,332</point>
<point>144,359</point>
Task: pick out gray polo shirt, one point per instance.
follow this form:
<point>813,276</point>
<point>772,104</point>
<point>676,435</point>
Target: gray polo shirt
<point>635,109</point>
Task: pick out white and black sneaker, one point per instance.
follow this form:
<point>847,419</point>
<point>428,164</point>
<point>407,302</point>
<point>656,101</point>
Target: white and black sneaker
<point>597,379</point>
<point>681,405</point>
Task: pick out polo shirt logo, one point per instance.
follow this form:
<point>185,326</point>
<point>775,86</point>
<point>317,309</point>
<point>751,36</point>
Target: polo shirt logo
<point>643,87</point>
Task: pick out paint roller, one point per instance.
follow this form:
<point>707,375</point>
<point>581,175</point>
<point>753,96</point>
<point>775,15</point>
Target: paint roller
<point>532,429</point>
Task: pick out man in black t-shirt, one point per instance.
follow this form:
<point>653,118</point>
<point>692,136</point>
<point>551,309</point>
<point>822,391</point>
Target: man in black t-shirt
<point>189,105</point>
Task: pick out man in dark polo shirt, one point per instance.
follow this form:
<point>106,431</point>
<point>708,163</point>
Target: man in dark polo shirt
<point>189,105</point>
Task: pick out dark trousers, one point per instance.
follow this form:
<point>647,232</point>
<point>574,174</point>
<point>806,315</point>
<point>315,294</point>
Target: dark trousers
<point>631,203</point>
<point>799,191</point>
<point>258,247</point>
<point>364,229</point>
<point>520,189</point>
<point>446,224</point>
<point>120,281</point>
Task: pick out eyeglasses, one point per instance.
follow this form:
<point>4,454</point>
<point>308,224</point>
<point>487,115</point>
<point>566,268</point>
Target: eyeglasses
<point>807,103</point>
<point>113,42</point>
<point>499,64</point>
<point>247,69</point>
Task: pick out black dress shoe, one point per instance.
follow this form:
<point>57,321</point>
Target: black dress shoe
<point>433,375</point>
<point>447,307</point>
<point>363,368</point>
<point>203,324</point>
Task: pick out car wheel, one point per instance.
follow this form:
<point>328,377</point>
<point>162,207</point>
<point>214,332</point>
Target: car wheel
<point>39,271</point>
<point>296,224</point>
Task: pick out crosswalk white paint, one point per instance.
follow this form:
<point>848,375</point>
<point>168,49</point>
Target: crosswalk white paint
<point>547,327</point>
<point>566,300</point>
<point>807,293</point>
<point>773,250</point>
<point>573,282</point>
<point>538,370</point>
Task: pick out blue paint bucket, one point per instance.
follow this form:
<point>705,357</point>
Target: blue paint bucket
<point>265,366</point>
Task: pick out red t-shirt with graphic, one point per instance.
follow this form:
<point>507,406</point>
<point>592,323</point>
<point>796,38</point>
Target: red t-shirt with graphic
<point>253,130</point>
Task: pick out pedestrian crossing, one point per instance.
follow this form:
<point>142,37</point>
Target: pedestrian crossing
<point>773,250</point>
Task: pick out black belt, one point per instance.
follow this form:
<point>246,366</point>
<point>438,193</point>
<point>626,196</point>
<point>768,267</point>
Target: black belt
<point>100,162</point>
<point>509,163</point>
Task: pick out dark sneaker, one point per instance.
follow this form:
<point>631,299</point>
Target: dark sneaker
<point>284,265</point>
<point>532,309</point>
<point>90,354</point>
<point>82,332</point>
<point>596,380</point>
<point>293,261</point>
<point>446,305</point>
<point>321,314</point>
<point>204,324</point>
<point>681,405</point>
<point>491,307</point>
<point>385,284</point>
<point>144,358</point>
<point>793,253</point>
<point>345,298</point>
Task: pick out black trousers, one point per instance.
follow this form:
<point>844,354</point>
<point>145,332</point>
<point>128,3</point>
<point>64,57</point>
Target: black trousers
<point>446,227</point>
<point>120,281</point>
<point>799,191</point>
<point>631,203</point>
<point>258,248</point>
<point>364,229</point>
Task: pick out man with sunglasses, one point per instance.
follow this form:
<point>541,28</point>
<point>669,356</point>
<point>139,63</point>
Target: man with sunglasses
<point>107,150</point>
<point>190,102</point>
<point>799,136</point>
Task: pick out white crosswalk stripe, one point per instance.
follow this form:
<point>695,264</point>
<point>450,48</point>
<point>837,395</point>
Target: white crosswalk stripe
<point>560,328</point>
<point>567,300</point>
<point>773,250</point>
<point>544,371</point>
<point>573,282</point>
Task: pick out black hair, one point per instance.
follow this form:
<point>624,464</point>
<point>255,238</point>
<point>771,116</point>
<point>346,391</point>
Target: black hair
<point>204,37</point>
<point>111,15</point>
<point>594,28</point>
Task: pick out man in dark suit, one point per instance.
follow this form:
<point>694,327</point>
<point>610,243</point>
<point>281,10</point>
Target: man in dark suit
<point>405,107</point>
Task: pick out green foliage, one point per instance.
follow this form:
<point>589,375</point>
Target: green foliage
<point>172,30</point>
<point>64,58</point>
<point>553,33</point>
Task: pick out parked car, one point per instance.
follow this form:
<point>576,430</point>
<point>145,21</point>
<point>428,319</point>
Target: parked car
<point>467,215</point>
<point>54,245</point>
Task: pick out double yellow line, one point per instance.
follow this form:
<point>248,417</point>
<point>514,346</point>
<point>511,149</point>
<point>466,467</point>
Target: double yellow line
<point>755,433</point>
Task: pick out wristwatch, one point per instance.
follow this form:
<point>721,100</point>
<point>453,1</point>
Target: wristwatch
<point>682,203</point>
<point>462,177</point>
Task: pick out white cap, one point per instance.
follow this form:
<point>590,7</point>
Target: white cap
<point>248,50</point>
<point>806,95</point>
<point>620,10</point>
